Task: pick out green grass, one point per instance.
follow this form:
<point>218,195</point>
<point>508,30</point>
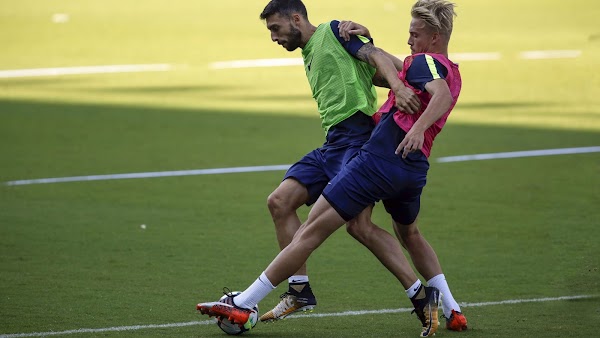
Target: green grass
<point>73,255</point>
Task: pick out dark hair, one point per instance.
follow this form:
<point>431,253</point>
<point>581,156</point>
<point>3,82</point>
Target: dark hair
<point>284,8</point>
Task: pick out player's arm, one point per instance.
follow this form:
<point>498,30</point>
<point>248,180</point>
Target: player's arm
<point>406,99</point>
<point>378,78</point>
<point>426,74</point>
<point>441,100</point>
<point>349,28</point>
<point>362,48</point>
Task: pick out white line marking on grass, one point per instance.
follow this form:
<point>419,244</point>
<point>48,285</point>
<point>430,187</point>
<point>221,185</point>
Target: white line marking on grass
<point>516,154</point>
<point>502,302</point>
<point>550,54</point>
<point>84,70</point>
<point>152,174</point>
<point>60,18</point>
<point>285,62</point>
<point>491,56</point>
<point>312,315</point>
<point>106,329</point>
<point>475,56</point>
<point>461,158</point>
<point>257,63</point>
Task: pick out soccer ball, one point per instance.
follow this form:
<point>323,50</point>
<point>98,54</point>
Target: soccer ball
<point>234,329</point>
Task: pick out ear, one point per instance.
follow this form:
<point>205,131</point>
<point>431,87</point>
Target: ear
<point>436,37</point>
<point>296,18</point>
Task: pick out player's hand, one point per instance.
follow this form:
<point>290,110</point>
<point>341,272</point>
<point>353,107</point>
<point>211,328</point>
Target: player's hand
<point>413,141</point>
<point>407,101</point>
<point>348,28</point>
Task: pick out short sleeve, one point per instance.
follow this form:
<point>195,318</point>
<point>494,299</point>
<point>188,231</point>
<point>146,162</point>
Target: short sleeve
<point>424,69</point>
<point>355,43</point>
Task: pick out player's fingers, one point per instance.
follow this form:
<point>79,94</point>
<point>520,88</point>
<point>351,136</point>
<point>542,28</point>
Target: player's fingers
<point>416,103</point>
<point>416,106</point>
<point>400,147</point>
<point>410,108</point>
<point>420,145</point>
<point>405,152</point>
<point>401,107</point>
<point>413,102</point>
<point>345,30</point>
<point>341,29</point>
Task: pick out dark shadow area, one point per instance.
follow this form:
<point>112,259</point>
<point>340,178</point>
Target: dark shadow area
<point>53,139</point>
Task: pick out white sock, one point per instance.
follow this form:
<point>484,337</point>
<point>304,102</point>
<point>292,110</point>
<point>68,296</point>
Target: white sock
<point>412,291</point>
<point>298,279</point>
<point>448,301</point>
<point>261,287</point>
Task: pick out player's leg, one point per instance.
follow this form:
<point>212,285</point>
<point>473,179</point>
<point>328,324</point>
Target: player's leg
<point>303,184</point>
<point>389,252</point>
<point>314,171</point>
<point>384,246</point>
<point>421,253</point>
<point>323,220</point>
<point>283,203</point>
<point>427,263</point>
<point>361,182</point>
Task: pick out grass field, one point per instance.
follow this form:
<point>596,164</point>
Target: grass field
<point>73,255</point>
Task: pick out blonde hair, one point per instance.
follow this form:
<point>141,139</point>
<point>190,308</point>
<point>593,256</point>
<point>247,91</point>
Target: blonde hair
<point>438,14</point>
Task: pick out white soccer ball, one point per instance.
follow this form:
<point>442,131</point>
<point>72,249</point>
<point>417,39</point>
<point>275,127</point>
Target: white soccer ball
<point>234,329</point>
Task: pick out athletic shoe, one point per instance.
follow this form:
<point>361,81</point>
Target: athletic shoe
<point>227,309</point>
<point>291,301</point>
<point>456,322</point>
<point>426,309</point>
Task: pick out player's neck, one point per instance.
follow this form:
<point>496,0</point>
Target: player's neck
<point>307,33</point>
<point>440,50</point>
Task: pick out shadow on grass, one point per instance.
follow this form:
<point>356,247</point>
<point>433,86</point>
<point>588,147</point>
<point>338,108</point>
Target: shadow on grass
<point>53,139</point>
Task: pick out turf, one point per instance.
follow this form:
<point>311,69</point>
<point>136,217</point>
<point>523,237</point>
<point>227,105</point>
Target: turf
<point>73,255</point>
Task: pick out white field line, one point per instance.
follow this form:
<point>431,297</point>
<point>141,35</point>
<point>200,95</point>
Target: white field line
<point>516,154</point>
<point>84,70</point>
<point>152,174</point>
<point>257,63</point>
<point>312,315</point>
<point>491,56</point>
<point>457,57</point>
<point>462,158</point>
<point>550,54</point>
<point>285,62</point>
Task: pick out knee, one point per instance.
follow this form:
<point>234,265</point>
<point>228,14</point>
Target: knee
<point>360,230</point>
<point>276,203</point>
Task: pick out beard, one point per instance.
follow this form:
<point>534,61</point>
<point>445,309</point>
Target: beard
<point>294,40</point>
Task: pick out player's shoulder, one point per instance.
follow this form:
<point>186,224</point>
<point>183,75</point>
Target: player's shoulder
<point>425,63</point>
<point>333,25</point>
<point>427,59</point>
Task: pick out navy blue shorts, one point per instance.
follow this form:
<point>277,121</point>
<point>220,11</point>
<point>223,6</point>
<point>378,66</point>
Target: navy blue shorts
<point>342,143</point>
<point>377,173</point>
